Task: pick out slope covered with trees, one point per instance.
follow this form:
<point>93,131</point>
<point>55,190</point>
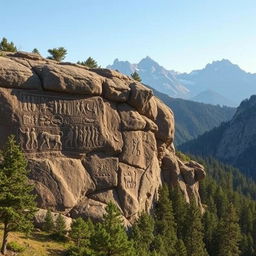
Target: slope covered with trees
<point>192,118</point>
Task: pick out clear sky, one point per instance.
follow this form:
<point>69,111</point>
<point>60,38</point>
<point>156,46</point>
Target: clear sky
<point>179,34</point>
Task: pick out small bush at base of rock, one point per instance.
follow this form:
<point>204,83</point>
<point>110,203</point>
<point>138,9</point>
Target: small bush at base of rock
<point>15,247</point>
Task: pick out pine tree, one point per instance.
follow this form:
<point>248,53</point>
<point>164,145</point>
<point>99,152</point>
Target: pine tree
<point>17,204</point>
<point>180,248</point>
<point>194,232</point>
<point>165,225</point>
<point>136,76</point>
<point>35,50</point>
<point>229,233</point>
<point>90,63</point>
<point>6,46</point>
<point>60,226</point>
<point>81,234</point>
<point>110,238</point>
<point>180,207</point>
<point>48,224</point>
<point>142,234</point>
<point>57,54</point>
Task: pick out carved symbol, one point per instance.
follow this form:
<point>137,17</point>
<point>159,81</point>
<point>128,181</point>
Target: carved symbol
<point>130,179</point>
<point>136,147</point>
<point>47,138</point>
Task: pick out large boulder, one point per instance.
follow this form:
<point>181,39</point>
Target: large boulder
<point>91,136</point>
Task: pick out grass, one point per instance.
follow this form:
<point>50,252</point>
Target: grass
<point>37,244</point>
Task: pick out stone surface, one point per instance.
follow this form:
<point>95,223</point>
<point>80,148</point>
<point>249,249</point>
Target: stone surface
<point>91,136</point>
<point>70,79</point>
<point>15,75</point>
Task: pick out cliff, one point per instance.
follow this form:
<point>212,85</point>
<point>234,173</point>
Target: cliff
<point>90,136</point>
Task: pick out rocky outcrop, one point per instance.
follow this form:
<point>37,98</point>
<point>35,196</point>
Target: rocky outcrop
<point>90,136</point>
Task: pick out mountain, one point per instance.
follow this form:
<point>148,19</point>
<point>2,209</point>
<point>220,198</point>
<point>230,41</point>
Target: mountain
<point>218,83</point>
<point>194,118</point>
<point>233,142</point>
<point>213,97</point>
<point>222,77</point>
<point>154,75</point>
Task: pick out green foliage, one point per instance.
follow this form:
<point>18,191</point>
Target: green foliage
<point>15,247</point>
<point>60,226</point>
<point>194,232</point>
<point>36,51</point>
<point>136,76</point>
<point>17,204</point>
<point>143,234</point>
<point>182,156</point>
<point>110,237</point>
<point>48,225</point>
<point>90,63</point>
<point>6,46</point>
<point>57,54</point>
<point>165,225</point>
<point>229,234</point>
<point>180,248</point>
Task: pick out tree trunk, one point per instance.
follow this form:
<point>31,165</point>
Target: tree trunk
<point>5,239</point>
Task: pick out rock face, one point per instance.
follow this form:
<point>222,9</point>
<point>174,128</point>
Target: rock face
<point>90,137</point>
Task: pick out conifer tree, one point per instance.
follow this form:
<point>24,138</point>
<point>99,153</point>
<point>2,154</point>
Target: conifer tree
<point>81,234</point>
<point>229,233</point>
<point>110,237</point>
<point>165,225</point>
<point>6,46</point>
<point>90,63</point>
<point>48,224</point>
<point>35,50</point>
<point>136,76</point>
<point>180,207</point>
<point>180,248</point>
<point>142,234</point>
<point>17,203</point>
<point>60,226</point>
<point>57,54</point>
<point>194,232</point>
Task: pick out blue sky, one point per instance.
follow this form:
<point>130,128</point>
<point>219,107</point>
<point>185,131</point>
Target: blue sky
<point>182,35</point>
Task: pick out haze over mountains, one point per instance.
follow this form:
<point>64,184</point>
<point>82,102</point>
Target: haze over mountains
<point>220,82</point>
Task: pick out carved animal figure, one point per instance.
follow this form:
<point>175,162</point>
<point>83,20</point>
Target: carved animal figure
<point>47,138</point>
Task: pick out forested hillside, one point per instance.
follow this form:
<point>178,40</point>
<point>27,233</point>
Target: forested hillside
<point>192,118</point>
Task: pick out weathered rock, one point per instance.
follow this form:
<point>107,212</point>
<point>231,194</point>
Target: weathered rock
<point>69,79</point>
<point>14,75</point>
<point>64,180</point>
<point>165,123</point>
<point>131,119</point>
<point>139,148</point>
<point>91,136</point>
<point>103,171</point>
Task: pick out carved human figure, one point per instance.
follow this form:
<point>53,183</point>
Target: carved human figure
<point>28,140</point>
<point>69,138</point>
<point>136,147</point>
<point>33,137</point>
<point>85,137</point>
<point>76,137</point>
<point>130,180</point>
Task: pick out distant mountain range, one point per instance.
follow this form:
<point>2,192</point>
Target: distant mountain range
<point>193,118</point>
<point>233,142</point>
<point>220,82</point>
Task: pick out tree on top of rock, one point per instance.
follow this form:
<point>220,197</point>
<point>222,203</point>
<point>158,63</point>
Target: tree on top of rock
<point>6,46</point>
<point>17,203</point>
<point>136,76</point>
<point>90,63</point>
<point>36,51</point>
<point>57,54</point>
